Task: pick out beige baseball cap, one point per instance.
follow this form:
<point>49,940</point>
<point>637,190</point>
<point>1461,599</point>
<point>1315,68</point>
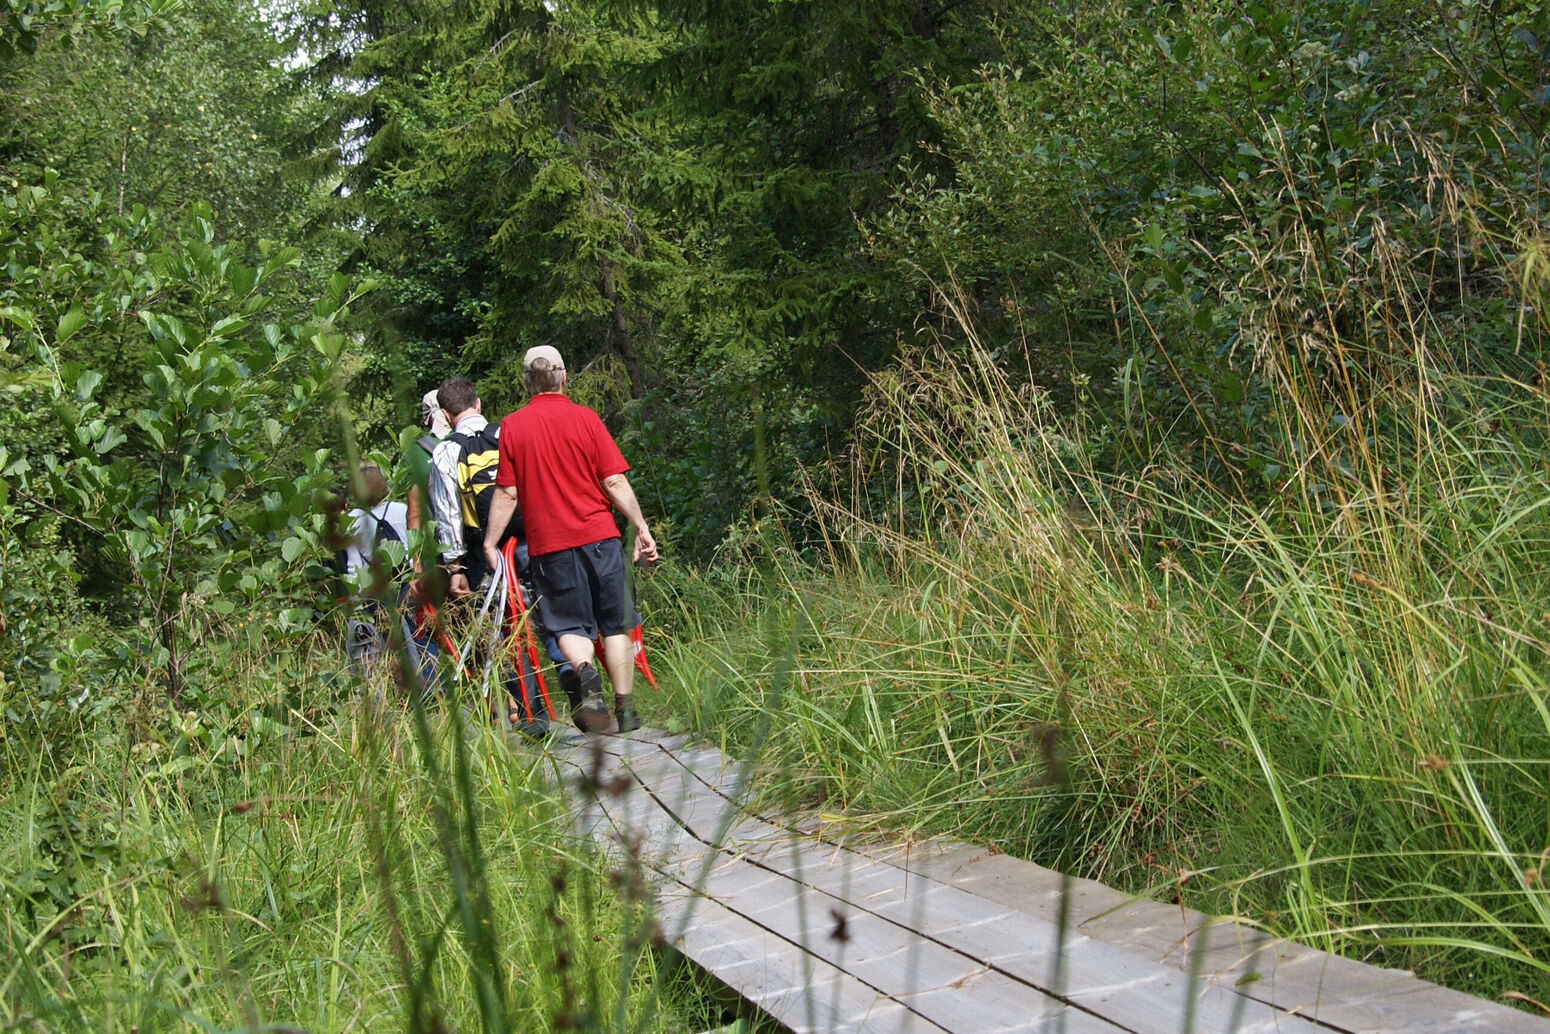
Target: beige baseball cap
<point>546,352</point>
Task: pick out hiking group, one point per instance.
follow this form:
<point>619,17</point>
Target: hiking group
<point>524,508</point>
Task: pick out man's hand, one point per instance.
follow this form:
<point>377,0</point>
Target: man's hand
<point>617,488</point>
<point>645,546</point>
<point>458,586</point>
<point>503,503</point>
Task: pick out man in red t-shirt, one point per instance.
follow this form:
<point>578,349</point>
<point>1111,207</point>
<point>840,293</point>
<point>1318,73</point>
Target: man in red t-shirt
<point>560,464</point>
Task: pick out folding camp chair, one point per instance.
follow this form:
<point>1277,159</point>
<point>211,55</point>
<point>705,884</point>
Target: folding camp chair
<point>519,635</point>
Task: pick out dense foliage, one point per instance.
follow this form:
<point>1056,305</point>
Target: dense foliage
<point>729,216</point>
<point>1235,310</point>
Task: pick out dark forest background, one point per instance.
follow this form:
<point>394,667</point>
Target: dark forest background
<point>730,216</point>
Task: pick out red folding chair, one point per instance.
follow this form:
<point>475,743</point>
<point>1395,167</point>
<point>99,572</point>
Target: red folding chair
<point>519,632</point>
<point>427,618</point>
<point>638,647</point>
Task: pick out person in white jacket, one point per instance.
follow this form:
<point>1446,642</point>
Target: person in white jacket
<point>465,567</point>
<point>380,520</point>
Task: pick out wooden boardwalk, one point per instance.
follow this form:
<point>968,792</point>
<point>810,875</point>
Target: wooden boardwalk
<point>948,938</point>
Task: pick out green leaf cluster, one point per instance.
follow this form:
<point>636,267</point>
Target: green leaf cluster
<point>191,491</point>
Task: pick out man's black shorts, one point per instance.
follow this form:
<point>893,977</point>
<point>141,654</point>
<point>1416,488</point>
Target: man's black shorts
<point>581,590</point>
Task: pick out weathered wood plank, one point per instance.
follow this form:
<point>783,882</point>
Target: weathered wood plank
<point>991,940</point>
<point>1345,994</point>
<point>930,980</point>
<point>940,920</point>
<point>994,937</point>
<point>889,944</point>
<point>805,993</point>
<point>957,989</point>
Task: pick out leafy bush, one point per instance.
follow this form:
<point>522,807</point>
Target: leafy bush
<point>199,494</point>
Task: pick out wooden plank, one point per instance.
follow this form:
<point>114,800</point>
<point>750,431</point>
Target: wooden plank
<point>804,993</point>
<point>888,945</point>
<point>923,910</point>
<point>1343,993</point>
<point>791,1000</point>
<point>709,819</point>
<point>932,981</point>
<point>960,988</point>
<point>1028,954</point>
<point>1030,950</point>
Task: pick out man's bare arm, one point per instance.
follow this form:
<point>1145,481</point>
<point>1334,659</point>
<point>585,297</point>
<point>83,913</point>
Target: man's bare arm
<point>623,496</point>
<point>502,505</point>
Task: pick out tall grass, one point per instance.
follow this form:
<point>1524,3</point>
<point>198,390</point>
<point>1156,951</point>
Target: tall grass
<point>310,862</point>
<point>1319,705</point>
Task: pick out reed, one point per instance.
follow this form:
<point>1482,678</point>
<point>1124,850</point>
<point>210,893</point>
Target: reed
<point>313,859</point>
<point>1319,706</point>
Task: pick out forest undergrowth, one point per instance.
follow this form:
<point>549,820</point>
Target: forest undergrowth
<point>315,860</point>
<point>1317,704</point>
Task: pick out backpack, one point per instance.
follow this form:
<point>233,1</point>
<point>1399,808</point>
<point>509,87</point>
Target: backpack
<point>385,532</point>
<point>478,455</point>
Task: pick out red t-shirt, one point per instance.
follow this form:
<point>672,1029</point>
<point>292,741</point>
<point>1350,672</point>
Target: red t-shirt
<point>557,453</point>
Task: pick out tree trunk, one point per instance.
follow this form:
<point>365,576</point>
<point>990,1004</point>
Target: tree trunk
<point>167,633</point>
<point>761,462</point>
<point>623,342</point>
